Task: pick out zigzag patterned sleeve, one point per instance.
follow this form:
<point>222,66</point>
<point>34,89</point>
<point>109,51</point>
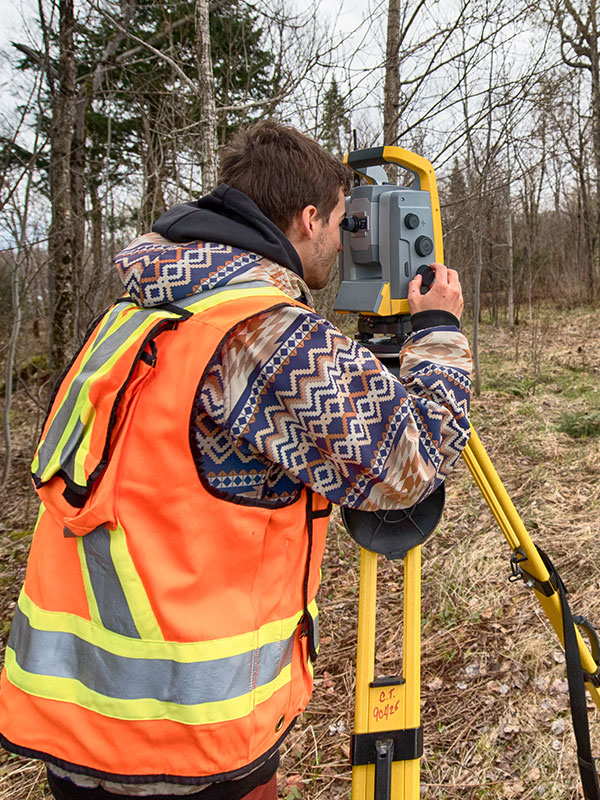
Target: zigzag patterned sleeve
<point>304,396</point>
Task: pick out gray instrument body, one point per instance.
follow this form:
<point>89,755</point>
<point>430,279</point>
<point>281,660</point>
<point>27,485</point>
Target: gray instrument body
<point>393,240</point>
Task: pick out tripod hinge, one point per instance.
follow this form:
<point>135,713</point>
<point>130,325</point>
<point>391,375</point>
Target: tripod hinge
<point>519,573</point>
<point>406,745</point>
<point>594,678</point>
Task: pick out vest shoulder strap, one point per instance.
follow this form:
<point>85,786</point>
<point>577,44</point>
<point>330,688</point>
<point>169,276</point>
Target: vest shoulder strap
<point>75,441</point>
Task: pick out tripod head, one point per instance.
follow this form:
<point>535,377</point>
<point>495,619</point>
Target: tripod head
<point>390,234</point>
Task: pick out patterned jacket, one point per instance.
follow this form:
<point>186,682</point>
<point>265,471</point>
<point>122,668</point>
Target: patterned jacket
<point>289,400</point>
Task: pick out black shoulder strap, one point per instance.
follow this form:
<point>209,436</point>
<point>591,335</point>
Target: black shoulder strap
<point>577,694</point>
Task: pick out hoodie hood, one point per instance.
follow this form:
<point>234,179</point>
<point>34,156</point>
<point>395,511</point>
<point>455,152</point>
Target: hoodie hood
<point>229,217</point>
<point>219,240</point>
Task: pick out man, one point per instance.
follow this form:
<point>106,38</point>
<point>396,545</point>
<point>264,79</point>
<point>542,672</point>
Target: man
<point>164,640</point>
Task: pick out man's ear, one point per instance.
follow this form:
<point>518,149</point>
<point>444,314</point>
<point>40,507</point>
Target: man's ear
<point>305,222</point>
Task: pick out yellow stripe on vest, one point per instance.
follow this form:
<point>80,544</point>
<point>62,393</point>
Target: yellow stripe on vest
<point>73,691</point>
<point>133,588</point>
<point>183,652</point>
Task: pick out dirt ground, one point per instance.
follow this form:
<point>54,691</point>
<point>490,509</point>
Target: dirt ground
<point>494,701</point>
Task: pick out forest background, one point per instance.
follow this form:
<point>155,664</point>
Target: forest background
<point>114,111</point>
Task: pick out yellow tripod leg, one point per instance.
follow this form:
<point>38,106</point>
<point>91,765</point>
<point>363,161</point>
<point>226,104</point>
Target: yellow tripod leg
<point>411,665</point>
<point>365,664</point>
<point>389,705</point>
<point>519,540</point>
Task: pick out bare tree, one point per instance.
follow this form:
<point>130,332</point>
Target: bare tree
<point>206,97</point>
<point>578,23</point>
<point>510,260</point>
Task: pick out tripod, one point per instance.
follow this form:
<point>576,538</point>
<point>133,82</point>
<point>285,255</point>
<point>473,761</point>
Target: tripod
<point>388,742</point>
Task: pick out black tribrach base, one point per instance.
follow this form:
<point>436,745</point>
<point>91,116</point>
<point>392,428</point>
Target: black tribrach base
<point>393,533</point>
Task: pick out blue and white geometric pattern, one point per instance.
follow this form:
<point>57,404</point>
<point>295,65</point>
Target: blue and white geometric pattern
<point>290,401</point>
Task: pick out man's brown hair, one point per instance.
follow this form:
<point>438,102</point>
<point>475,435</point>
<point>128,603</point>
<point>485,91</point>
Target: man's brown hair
<point>283,171</point>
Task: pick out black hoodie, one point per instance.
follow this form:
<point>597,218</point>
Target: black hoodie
<point>229,217</point>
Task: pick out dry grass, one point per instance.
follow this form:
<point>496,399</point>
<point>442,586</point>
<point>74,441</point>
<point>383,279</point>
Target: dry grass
<point>494,693</point>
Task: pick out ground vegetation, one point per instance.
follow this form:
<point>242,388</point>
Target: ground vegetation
<point>494,694</point>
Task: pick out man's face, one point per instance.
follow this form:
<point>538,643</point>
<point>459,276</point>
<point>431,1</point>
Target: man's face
<point>325,245</point>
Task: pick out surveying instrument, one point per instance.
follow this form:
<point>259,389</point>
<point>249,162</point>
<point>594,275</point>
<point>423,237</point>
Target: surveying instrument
<point>390,234</point>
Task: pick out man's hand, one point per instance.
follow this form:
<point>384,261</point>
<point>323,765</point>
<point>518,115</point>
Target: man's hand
<point>445,293</point>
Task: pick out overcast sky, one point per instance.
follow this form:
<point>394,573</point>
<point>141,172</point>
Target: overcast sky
<point>13,12</point>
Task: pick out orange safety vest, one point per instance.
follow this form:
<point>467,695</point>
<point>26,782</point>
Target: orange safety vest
<point>162,631</point>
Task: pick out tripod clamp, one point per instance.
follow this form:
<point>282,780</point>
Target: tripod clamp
<point>382,749</point>
<point>519,573</point>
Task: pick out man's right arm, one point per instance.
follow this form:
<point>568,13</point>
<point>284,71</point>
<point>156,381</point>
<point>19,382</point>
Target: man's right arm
<point>320,405</point>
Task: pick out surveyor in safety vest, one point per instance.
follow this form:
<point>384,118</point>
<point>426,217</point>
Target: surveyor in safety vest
<point>164,640</point>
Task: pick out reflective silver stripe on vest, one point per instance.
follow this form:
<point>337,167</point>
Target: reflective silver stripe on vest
<point>65,655</point>
<point>96,357</point>
<point>108,592</point>
<point>101,349</point>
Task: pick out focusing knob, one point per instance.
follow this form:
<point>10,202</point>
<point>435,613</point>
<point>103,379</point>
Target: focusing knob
<point>412,221</point>
<point>428,278</point>
<point>424,246</point>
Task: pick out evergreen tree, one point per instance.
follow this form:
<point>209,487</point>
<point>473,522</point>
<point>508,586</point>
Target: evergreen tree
<point>335,121</point>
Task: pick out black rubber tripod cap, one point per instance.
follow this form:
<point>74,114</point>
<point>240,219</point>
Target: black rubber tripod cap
<point>393,533</point>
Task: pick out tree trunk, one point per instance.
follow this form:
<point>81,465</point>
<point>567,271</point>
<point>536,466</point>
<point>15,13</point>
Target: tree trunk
<point>510,292</point>
<point>78,164</point>
<point>588,227</point>
<point>206,98</point>
<point>594,57</point>
<point>96,239</point>
<point>391,96</point>
<point>10,367</point>
<point>61,238</point>
<point>391,91</point>
<point>595,237</point>
<point>478,248</point>
<point>153,201</point>
<point>530,292</point>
